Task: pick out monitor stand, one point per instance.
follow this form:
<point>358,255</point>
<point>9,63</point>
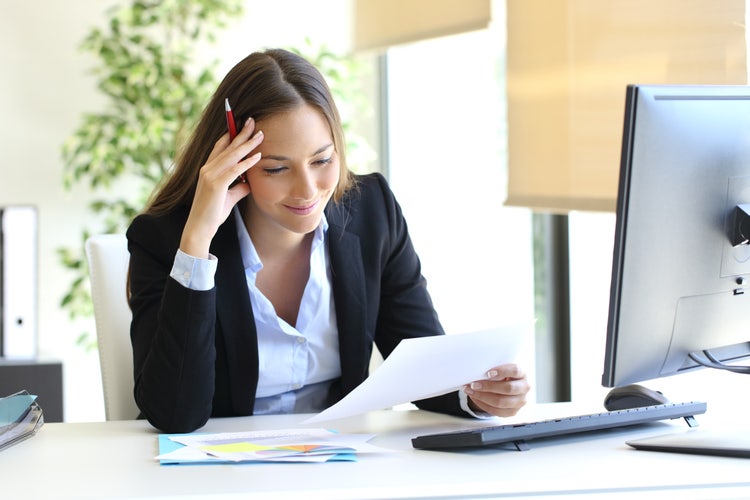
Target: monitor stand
<point>726,443</point>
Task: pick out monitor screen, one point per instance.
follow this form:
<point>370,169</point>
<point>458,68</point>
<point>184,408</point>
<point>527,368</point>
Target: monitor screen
<point>680,289</point>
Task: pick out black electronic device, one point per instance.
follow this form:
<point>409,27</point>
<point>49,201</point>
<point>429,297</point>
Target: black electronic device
<point>633,396</point>
<point>520,433</point>
<point>679,293</point>
<point>718,442</point>
<point>681,260</point>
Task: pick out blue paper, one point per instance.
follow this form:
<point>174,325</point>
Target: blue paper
<point>13,408</point>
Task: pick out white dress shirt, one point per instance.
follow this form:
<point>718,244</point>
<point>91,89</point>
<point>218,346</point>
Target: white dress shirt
<point>297,363</point>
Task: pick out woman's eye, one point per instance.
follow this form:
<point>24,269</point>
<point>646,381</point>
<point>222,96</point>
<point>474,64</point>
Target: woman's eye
<point>274,171</point>
<point>324,161</point>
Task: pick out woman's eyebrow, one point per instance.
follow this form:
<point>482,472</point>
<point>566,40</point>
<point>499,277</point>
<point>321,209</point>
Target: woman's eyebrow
<point>286,158</point>
<point>329,145</point>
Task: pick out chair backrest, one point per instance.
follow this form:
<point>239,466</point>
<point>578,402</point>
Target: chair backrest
<point>108,260</point>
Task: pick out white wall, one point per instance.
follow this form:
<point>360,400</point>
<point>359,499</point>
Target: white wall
<point>44,89</point>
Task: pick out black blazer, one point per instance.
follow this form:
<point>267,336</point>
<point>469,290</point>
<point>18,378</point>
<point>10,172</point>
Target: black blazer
<point>195,353</point>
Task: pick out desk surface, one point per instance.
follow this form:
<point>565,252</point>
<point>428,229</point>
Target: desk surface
<point>116,460</point>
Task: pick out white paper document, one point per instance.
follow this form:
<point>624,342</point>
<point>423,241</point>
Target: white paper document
<point>283,445</point>
<point>430,366</point>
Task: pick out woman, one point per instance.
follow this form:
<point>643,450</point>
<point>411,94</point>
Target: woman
<point>266,296</point>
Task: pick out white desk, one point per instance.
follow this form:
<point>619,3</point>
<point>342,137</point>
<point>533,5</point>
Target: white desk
<point>116,460</point>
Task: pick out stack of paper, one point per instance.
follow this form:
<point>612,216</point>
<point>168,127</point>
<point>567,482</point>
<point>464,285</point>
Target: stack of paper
<point>286,445</point>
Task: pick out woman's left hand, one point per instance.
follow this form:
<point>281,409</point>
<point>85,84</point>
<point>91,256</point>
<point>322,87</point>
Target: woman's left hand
<point>502,393</point>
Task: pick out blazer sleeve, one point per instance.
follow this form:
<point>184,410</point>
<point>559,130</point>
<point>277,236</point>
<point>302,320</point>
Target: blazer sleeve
<point>172,331</point>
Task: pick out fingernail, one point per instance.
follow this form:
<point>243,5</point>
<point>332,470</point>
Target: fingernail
<point>468,390</point>
<point>492,374</point>
<point>476,385</point>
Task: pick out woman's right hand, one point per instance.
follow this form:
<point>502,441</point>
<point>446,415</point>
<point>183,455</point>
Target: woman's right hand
<point>214,199</point>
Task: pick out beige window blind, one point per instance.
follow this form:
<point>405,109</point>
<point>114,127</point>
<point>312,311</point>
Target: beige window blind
<point>569,62</point>
<point>379,24</point>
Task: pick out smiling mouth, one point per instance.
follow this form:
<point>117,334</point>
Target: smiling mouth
<point>302,210</point>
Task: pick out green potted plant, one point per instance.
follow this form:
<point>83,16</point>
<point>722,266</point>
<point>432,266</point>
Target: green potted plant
<point>155,92</point>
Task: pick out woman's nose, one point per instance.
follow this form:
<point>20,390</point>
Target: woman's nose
<point>304,185</point>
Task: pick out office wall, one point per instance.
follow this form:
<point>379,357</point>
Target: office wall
<point>44,89</point>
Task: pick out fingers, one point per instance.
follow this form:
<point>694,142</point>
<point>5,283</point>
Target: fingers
<point>509,370</point>
<point>246,140</point>
<point>504,408</point>
<point>214,199</point>
<point>502,393</point>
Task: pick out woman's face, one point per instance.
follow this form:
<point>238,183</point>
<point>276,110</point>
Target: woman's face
<point>298,171</point>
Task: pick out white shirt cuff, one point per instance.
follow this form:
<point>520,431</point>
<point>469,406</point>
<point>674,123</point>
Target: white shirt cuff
<point>194,273</point>
<point>463,400</point>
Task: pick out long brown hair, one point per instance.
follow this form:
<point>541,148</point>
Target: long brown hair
<point>262,84</point>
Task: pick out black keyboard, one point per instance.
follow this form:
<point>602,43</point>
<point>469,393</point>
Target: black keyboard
<point>519,433</point>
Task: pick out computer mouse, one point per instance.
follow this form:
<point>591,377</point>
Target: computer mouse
<point>633,396</point>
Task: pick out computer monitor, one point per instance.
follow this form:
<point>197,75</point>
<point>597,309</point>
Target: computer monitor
<point>680,289</point>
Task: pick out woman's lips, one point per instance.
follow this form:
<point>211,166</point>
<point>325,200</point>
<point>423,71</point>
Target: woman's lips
<point>302,210</point>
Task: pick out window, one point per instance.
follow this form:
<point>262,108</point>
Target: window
<point>446,142</point>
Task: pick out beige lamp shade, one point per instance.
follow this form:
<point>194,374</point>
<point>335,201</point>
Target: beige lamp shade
<point>569,62</point>
<point>379,24</point>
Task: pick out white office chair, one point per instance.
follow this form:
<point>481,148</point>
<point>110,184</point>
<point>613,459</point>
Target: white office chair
<point>108,260</point>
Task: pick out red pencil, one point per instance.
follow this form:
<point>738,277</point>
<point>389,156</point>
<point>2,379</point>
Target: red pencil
<point>232,126</point>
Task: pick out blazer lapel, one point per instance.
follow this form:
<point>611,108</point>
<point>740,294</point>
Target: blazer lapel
<point>348,283</point>
<point>235,318</point>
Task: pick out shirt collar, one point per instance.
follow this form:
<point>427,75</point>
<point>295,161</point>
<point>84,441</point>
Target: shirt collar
<point>250,259</point>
